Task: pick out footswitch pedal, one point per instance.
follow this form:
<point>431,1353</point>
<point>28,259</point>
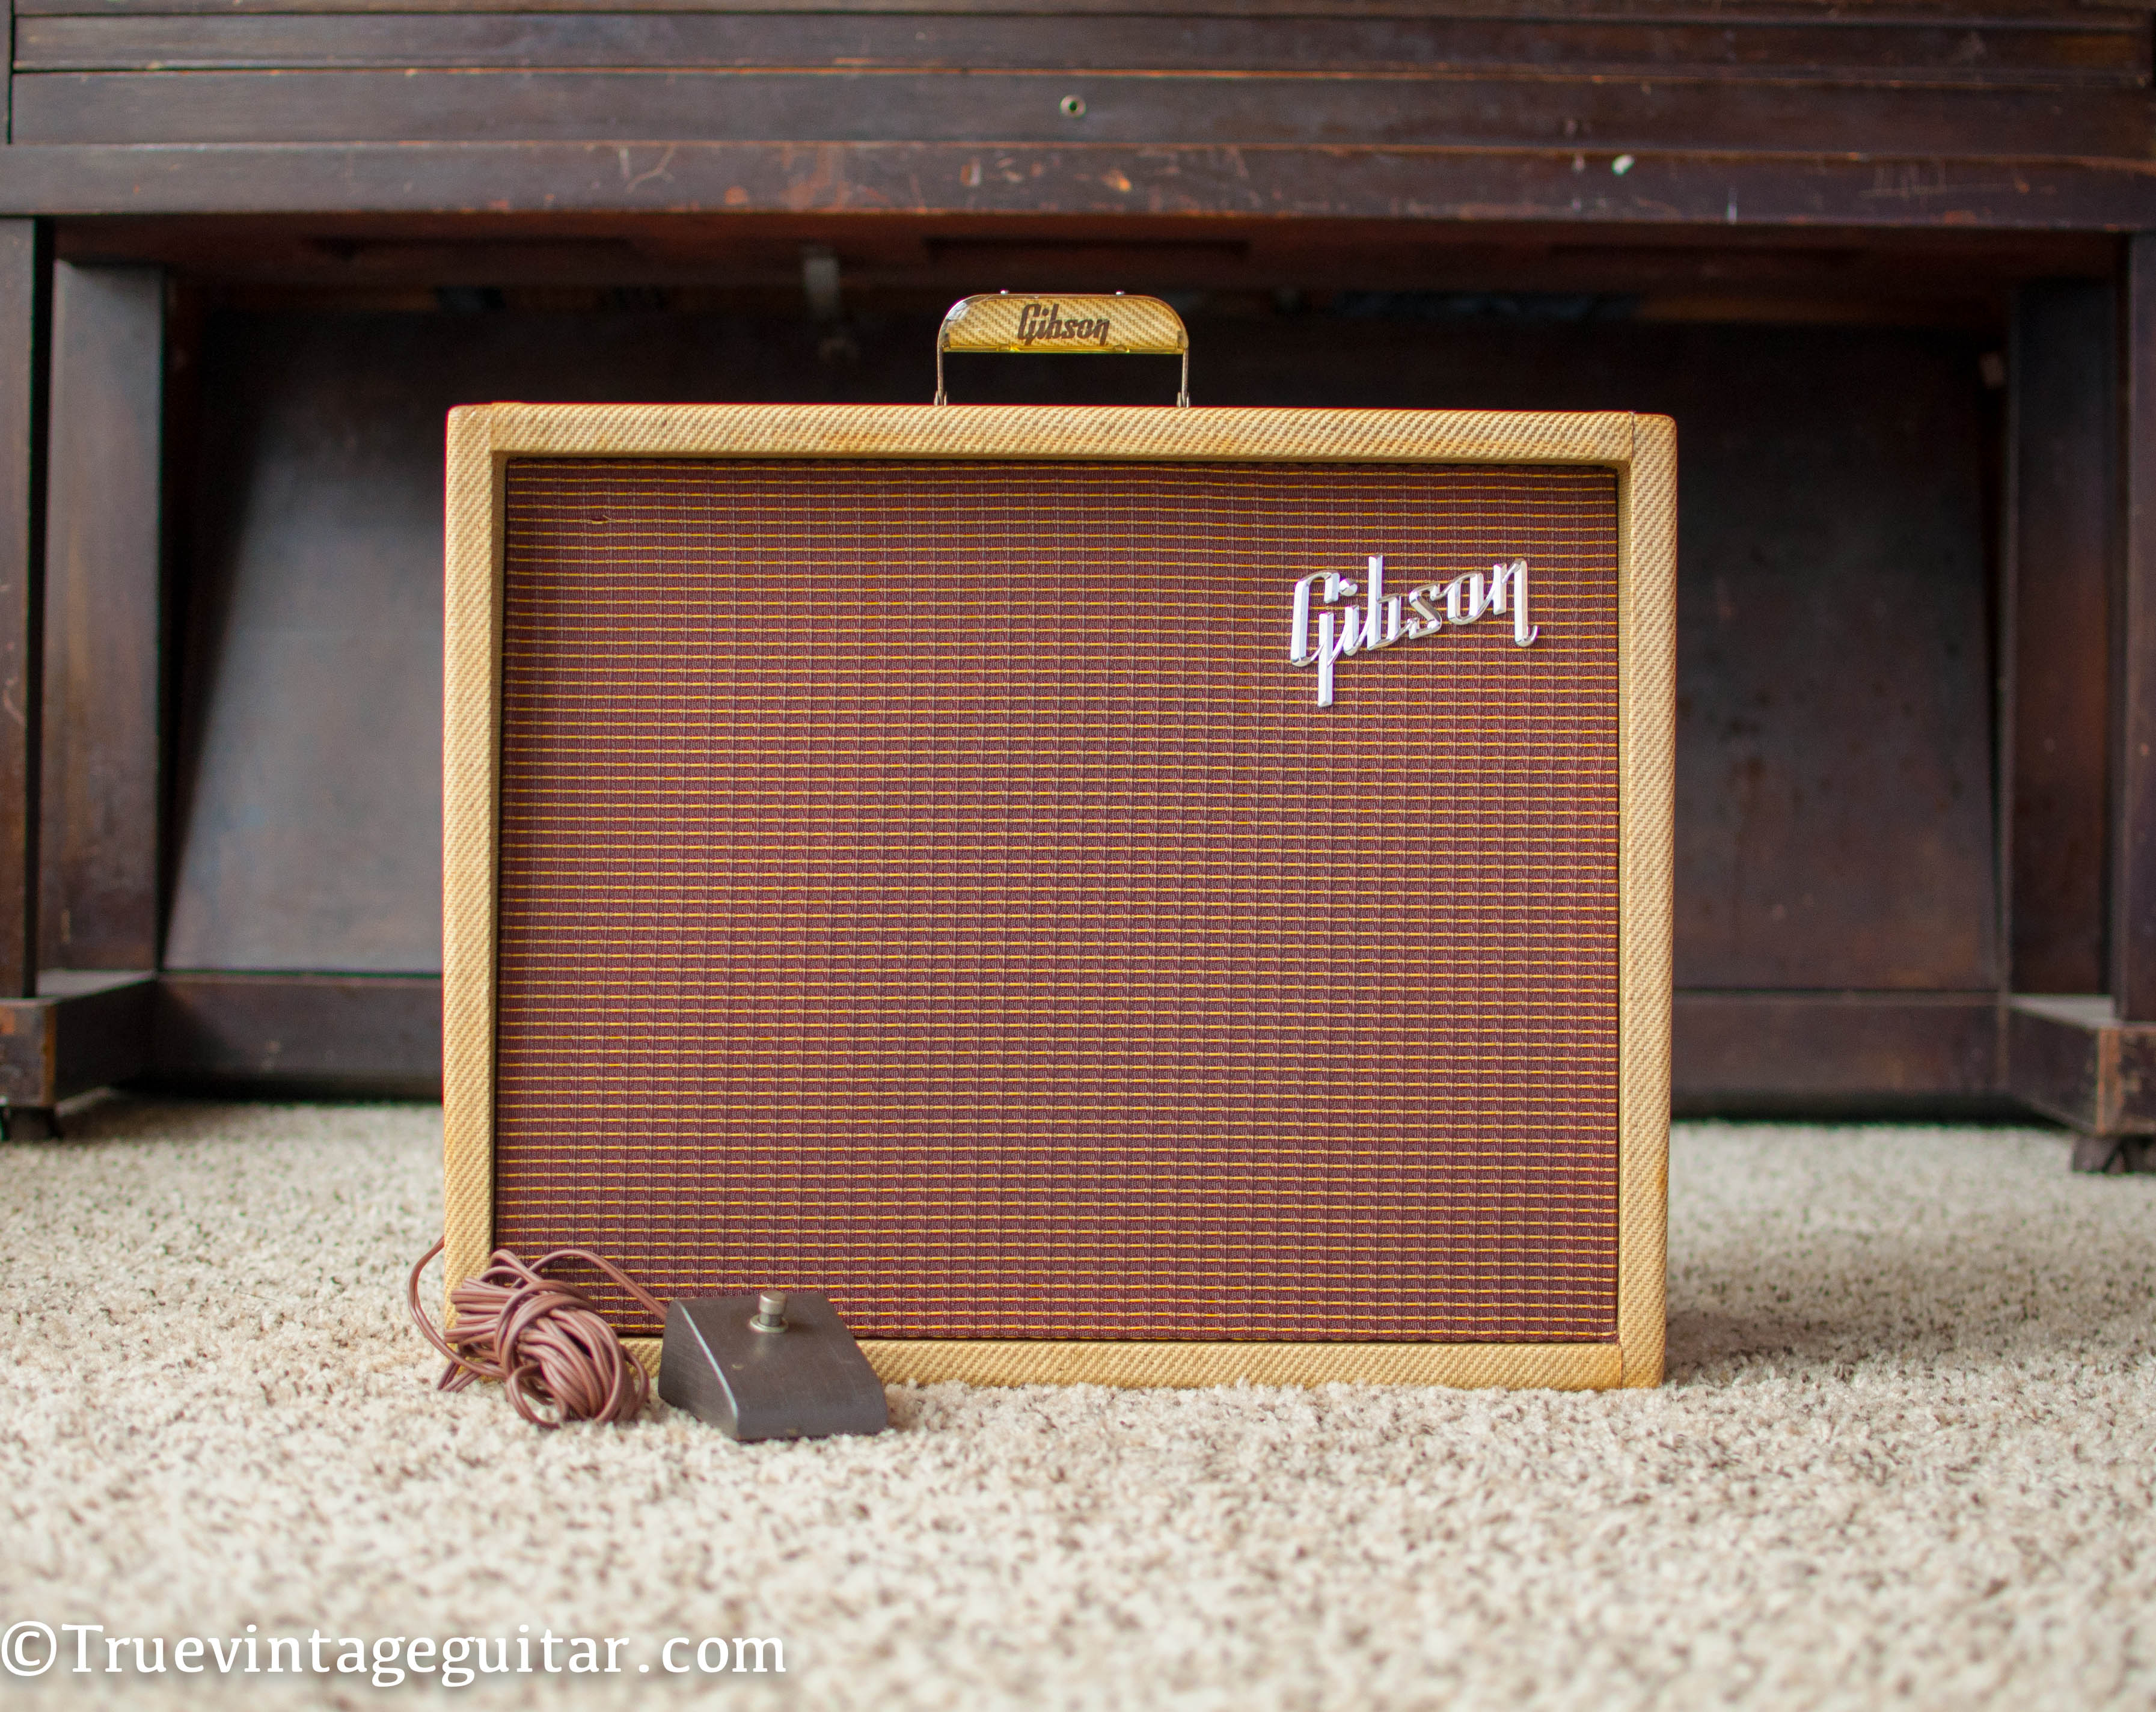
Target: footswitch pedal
<point>769,1367</point>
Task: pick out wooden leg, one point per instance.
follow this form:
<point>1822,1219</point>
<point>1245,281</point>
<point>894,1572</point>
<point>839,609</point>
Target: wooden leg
<point>104,620</point>
<point>2062,1039</point>
<point>2063,503</point>
<point>2133,693</point>
<point>79,859</point>
<point>25,270</point>
<point>2087,1057</point>
<point>2113,1156</point>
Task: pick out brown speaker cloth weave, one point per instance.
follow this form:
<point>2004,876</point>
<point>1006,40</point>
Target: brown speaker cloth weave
<point>931,883</point>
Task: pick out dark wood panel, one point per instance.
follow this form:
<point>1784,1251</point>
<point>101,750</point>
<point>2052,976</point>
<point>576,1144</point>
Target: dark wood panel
<point>300,1034</point>
<point>1589,114</point>
<point>1992,54</point>
<point>1835,765</point>
<point>104,630</point>
<point>1415,192</point>
<point>80,1031</point>
<point>1939,278</point>
<point>2055,1062</point>
<point>2073,1059</point>
<point>2062,476</point>
<point>1734,1051</point>
<point>2133,663</point>
<point>307,823</point>
<point>1426,190</point>
<point>24,275</point>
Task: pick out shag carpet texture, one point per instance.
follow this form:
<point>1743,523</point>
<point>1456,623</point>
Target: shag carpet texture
<point>1905,1458</point>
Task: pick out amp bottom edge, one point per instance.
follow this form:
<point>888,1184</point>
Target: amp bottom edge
<point>1580,1367</point>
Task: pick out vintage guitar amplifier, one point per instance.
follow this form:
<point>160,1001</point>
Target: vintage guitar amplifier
<point>1148,896</point>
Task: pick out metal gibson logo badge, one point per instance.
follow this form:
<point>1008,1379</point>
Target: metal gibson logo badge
<point>1382,619</point>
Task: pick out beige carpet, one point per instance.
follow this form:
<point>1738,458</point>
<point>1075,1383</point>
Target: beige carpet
<point>1906,1457</point>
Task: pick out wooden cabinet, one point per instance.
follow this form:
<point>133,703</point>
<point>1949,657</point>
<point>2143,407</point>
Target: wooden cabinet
<point>1884,265</point>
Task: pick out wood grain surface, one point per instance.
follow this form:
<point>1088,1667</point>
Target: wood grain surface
<point>105,620</point>
<point>24,287</point>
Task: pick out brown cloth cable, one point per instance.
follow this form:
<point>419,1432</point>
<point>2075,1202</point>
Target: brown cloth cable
<point>558,1357</point>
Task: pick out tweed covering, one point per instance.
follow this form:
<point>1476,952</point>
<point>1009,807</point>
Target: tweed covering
<point>931,882</point>
<point>1648,829</point>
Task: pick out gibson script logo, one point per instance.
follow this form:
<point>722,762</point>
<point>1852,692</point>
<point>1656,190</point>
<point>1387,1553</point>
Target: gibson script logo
<point>1045,320</point>
<point>1380,619</point>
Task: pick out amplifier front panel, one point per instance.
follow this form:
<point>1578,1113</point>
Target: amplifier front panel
<point>931,883</point>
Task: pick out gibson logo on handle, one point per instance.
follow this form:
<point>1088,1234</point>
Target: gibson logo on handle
<point>1045,320</point>
<point>1379,619</point>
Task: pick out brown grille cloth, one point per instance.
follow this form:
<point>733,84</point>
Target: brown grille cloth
<point>931,883</point>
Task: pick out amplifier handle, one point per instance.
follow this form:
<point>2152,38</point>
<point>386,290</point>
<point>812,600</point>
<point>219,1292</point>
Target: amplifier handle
<point>1089,324</point>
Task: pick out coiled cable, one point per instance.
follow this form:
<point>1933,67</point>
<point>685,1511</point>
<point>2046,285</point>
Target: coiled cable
<point>544,1340</point>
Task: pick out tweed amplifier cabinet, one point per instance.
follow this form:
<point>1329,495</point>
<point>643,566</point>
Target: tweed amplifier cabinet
<point>1150,896</point>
